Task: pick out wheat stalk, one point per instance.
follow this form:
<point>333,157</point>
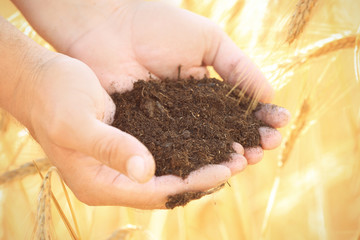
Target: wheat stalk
<point>124,232</point>
<point>204,9</point>
<point>71,208</point>
<point>299,19</point>
<point>232,16</point>
<point>296,129</point>
<point>354,123</point>
<point>43,218</point>
<point>4,121</point>
<point>24,170</point>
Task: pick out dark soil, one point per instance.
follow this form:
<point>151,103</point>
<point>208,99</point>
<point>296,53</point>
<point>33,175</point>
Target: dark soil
<point>182,199</point>
<point>186,124</point>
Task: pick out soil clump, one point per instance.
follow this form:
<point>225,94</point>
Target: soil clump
<point>187,124</point>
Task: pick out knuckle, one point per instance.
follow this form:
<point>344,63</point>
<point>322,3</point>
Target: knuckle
<point>57,130</point>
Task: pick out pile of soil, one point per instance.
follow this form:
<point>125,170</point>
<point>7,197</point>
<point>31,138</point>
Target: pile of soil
<point>187,124</point>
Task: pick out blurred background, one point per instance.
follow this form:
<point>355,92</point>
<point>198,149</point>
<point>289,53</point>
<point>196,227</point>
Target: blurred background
<point>307,189</point>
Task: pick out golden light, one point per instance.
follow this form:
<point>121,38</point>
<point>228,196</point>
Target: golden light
<point>307,189</point>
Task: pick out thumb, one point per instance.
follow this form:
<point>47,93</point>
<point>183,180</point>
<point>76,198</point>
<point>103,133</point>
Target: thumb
<point>235,67</point>
<point>117,149</point>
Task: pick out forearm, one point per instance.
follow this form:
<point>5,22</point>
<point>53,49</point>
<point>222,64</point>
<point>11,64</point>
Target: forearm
<point>21,60</point>
<point>63,22</point>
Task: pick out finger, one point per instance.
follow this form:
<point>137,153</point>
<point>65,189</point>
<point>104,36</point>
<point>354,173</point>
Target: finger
<point>273,115</point>
<point>207,177</point>
<point>116,149</point>
<point>253,154</point>
<point>238,148</point>
<point>270,138</point>
<point>96,184</point>
<point>236,164</point>
<point>236,67</point>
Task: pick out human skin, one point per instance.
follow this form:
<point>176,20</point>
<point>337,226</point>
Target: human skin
<point>61,102</point>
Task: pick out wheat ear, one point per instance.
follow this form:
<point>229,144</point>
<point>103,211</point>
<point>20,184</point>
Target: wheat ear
<point>24,170</point>
<point>43,218</point>
<point>57,205</point>
<point>296,129</point>
<point>318,51</point>
<point>299,19</point>
<point>345,42</point>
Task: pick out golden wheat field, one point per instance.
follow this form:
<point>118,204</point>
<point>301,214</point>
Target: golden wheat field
<point>307,189</point>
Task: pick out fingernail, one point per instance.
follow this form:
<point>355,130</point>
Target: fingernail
<point>136,169</point>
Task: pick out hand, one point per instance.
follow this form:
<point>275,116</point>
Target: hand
<point>148,37</point>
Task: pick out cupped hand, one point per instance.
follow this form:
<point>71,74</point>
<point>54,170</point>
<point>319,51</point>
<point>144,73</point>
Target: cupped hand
<point>101,164</point>
<point>143,38</point>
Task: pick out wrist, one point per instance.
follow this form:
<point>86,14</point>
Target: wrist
<point>32,66</point>
<point>21,61</point>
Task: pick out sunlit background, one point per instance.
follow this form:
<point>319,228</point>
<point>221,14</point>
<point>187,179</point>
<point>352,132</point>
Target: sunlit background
<point>307,189</point>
